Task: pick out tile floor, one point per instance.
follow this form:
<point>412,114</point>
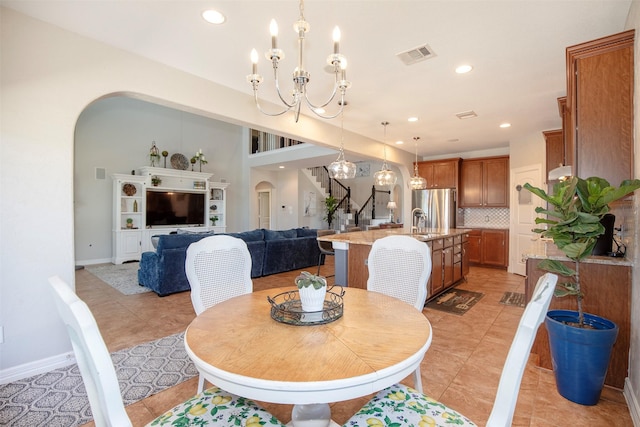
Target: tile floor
<point>461,368</point>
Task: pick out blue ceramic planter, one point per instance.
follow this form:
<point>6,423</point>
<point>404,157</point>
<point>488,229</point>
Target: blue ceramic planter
<point>580,356</point>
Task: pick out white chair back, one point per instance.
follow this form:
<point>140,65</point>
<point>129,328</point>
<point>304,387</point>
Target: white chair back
<point>92,356</point>
<point>507,395</point>
<point>400,266</point>
<point>218,268</point>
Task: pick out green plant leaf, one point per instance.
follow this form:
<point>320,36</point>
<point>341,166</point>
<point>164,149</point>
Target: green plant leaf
<point>556,267</point>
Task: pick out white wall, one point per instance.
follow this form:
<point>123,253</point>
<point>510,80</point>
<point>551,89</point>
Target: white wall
<point>632,388</point>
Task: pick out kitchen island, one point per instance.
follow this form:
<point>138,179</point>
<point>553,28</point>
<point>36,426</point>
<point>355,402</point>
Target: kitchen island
<point>448,255</point>
<point>606,285</point>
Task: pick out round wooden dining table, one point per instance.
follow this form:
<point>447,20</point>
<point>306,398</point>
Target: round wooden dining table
<point>239,347</point>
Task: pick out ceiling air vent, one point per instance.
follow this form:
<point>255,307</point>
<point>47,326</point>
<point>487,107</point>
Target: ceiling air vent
<point>466,115</point>
<point>417,54</point>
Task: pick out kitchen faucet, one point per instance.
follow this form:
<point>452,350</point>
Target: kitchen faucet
<point>415,226</point>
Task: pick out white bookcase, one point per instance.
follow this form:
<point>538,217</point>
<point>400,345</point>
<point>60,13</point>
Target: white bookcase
<point>218,205</point>
<point>129,202</point>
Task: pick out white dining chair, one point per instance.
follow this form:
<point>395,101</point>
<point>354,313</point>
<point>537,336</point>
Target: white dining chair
<point>400,266</point>
<point>410,407</point>
<point>213,406</point>
<point>217,268</point>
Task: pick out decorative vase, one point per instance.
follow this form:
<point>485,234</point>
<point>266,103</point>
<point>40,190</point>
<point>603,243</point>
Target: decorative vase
<point>312,299</point>
<point>580,356</point>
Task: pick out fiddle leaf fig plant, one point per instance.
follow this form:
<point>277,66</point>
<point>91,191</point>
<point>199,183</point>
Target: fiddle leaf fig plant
<point>573,222</point>
<point>306,279</point>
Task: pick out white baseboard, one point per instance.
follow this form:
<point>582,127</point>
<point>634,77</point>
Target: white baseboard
<point>632,402</point>
<point>93,261</point>
<point>37,367</point>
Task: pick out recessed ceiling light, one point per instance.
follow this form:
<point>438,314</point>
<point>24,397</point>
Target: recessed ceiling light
<point>412,119</point>
<point>505,125</point>
<point>399,142</point>
<point>281,167</point>
<point>462,69</point>
<point>213,16</point>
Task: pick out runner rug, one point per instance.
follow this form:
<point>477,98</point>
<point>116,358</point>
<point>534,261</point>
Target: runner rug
<point>513,298</point>
<point>123,277</point>
<point>58,398</point>
<point>455,301</point>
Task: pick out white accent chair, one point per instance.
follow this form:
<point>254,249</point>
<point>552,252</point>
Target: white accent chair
<point>213,406</point>
<point>410,407</point>
<point>217,268</point>
<point>400,266</point>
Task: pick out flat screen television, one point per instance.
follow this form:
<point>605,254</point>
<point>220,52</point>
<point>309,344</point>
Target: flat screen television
<point>170,208</point>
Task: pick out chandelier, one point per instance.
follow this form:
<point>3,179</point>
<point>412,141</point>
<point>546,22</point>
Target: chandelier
<point>417,182</point>
<point>300,75</point>
<point>341,168</point>
<point>385,176</point>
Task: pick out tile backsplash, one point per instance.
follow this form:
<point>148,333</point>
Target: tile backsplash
<point>483,218</point>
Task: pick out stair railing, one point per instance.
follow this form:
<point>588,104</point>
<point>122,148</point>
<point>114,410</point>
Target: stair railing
<point>362,213</point>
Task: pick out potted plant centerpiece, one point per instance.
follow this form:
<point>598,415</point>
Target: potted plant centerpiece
<point>129,222</point>
<point>580,342</point>
<point>214,219</point>
<point>312,291</point>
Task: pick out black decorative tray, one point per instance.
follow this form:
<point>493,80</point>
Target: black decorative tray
<point>287,308</point>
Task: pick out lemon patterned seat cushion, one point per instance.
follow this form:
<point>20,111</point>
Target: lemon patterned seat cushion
<point>216,406</point>
<point>402,406</point>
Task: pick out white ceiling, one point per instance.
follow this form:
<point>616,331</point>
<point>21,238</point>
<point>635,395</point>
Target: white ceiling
<point>517,49</point>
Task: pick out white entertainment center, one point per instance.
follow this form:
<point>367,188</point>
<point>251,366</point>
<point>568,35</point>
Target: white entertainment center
<point>130,206</point>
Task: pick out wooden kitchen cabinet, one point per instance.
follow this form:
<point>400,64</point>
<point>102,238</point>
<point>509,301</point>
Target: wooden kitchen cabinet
<point>436,280</point>
<point>554,144</point>
<point>440,173</point>
<point>599,130</point>
<point>484,182</point>
<point>489,247</point>
<point>608,294</point>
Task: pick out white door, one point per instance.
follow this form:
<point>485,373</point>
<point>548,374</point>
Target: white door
<point>523,215</point>
<point>264,209</point>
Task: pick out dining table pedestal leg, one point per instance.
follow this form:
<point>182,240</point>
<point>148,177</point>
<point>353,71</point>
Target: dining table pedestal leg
<point>311,415</point>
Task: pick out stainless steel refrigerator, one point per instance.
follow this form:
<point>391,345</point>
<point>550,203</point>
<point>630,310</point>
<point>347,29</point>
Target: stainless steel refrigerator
<point>438,205</point>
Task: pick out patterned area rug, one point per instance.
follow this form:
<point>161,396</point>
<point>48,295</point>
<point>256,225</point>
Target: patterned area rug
<point>58,398</point>
<point>455,301</point>
<point>513,298</point>
<point>123,277</point>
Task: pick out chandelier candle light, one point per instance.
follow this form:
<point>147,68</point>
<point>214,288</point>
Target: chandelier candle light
<point>417,182</point>
<point>300,75</point>
<point>385,176</point>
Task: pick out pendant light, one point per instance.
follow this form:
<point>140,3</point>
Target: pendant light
<point>341,168</point>
<point>385,176</point>
<point>417,182</point>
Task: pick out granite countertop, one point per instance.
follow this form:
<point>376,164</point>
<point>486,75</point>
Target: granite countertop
<point>370,236</point>
<point>542,249</point>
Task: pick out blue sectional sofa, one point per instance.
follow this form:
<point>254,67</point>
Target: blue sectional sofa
<point>271,251</point>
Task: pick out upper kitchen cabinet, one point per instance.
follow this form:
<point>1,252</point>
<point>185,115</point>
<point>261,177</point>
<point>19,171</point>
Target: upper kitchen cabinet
<point>440,173</point>
<point>484,182</point>
<point>554,144</point>
<point>599,131</point>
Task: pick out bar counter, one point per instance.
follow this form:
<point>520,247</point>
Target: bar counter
<point>545,248</point>
<point>361,239</point>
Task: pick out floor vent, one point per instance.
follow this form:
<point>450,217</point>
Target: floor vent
<point>417,54</point>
